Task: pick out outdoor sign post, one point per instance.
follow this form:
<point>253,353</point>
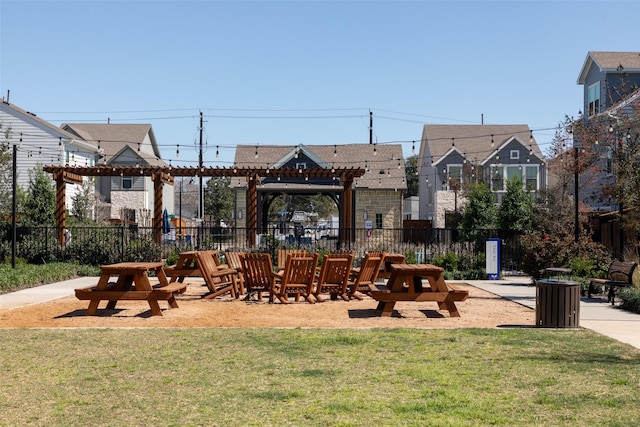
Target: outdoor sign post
<point>493,259</point>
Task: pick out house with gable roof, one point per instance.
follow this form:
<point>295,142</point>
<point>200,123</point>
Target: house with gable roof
<point>452,156</point>
<point>608,78</point>
<point>40,142</point>
<point>378,193</point>
<point>126,198</point>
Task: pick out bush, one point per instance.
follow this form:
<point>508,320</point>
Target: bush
<point>541,250</point>
<point>630,299</point>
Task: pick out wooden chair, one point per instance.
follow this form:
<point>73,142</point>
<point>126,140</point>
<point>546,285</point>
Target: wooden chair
<point>233,261</point>
<point>258,274</point>
<point>297,279</point>
<point>334,276</point>
<point>219,279</point>
<point>366,275</point>
<point>284,253</point>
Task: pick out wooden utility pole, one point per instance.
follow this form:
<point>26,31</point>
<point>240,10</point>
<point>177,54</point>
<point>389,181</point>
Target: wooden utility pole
<point>200,168</point>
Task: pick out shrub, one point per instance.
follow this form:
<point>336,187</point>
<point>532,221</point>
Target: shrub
<point>541,250</point>
<point>630,299</point>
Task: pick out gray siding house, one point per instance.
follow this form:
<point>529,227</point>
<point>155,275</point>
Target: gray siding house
<point>452,156</point>
<point>611,81</point>
<point>607,78</point>
<point>125,198</point>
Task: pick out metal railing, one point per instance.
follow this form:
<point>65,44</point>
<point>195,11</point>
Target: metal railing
<point>102,244</point>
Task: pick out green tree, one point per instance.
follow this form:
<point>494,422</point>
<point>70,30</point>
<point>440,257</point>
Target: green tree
<point>480,210</point>
<point>411,171</point>
<point>83,201</point>
<point>218,199</point>
<point>40,202</point>
<point>6,173</point>
<point>517,209</point>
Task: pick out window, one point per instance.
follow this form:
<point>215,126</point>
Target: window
<point>514,154</point>
<point>593,98</point>
<point>531,178</point>
<point>127,182</point>
<point>301,165</point>
<point>497,178</point>
<point>454,176</point>
<point>514,172</point>
<point>378,221</point>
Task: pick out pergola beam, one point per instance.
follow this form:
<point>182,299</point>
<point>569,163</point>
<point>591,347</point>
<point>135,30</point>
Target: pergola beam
<point>165,175</point>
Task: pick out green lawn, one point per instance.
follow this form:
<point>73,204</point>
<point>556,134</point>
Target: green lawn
<point>300,377</point>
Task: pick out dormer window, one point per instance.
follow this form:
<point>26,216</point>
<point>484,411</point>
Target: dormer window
<point>593,99</point>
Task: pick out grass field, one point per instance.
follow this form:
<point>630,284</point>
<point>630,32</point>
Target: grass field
<point>300,377</point>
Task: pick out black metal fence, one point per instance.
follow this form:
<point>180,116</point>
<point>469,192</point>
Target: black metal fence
<point>113,243</point>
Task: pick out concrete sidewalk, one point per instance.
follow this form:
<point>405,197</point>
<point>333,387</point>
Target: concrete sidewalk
<point>595,313</point>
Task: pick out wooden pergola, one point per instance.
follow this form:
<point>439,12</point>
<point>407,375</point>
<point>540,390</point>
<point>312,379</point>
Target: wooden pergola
<point>165,175</point>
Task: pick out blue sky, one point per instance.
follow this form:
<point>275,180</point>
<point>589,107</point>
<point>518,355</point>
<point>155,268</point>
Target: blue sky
<point>304,72</point>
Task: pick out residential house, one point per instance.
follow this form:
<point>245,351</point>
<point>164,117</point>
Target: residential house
<point>378,193</point>
<point>452,156</point>
<point>125,198</point>
<point>608,78</point>
<point>40,142</point>
<point>610,81</point>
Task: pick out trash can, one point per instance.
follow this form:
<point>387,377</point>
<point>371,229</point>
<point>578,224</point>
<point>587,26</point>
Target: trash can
<point>557,304</point>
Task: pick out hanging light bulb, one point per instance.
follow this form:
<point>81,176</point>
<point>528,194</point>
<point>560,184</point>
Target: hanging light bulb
<point>217,152</point>
<point>256,155</point>
<point>335,151</point>
<point>453,142</point>
<point>531,136</point>
<point>178,151</point>
<point>60,142</point>
<point>375,151</point>
<point>413,147</point>
<point>492,141</point>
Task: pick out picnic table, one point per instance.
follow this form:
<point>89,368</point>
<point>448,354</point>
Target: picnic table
<point>132,284</point>
<point>405,284</point>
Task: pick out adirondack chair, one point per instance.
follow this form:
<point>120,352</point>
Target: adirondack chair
<point>297,278</point>
<point>219,279</point>
<point>284,253</point>
<point>258,274</point>
<point>233,261</point>
<point>366,275</point>
<point>334,276</point>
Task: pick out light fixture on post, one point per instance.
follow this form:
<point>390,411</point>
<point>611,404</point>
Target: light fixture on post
<point>365,214</point>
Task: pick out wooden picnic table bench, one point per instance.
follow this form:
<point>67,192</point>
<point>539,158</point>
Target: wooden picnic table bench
<point>405,284</point>
<point>132,284</point>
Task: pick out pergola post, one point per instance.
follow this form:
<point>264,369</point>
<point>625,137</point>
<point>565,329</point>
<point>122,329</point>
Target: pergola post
<point>347,211</point>
<point>159,179</point>
<point>252,209</point>
<point>62,178</point>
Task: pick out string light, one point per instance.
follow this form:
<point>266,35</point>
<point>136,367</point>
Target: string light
<point>178,151</point>
<point>217,152</point>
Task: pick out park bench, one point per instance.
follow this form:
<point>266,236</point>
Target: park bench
<point>619,274</point>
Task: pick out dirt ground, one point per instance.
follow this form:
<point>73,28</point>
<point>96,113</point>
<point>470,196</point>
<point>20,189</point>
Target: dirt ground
<point>480,310</point>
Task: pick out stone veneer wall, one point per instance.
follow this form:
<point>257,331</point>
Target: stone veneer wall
<point>386,202</point>
<point>135,200</point>
<point>446,202</point>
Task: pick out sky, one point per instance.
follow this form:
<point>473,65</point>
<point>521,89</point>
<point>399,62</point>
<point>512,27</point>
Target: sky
<point>304,72</point>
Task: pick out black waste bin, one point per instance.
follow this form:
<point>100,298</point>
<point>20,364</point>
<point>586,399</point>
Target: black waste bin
<point>557,304</point>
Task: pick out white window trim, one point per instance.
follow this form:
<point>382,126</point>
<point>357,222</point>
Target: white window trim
<point>524,176</point>
<point>514,154</point>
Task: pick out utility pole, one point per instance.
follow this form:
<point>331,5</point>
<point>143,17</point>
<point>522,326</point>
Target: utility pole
<point>370,127</point>
<point>200,169</point>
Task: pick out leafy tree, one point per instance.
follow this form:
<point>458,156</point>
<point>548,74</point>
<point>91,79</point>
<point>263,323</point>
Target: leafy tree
<point>83,201</point>
<point>517,209</point>
<point>608,144</point>
<point>480,210</point>
<point>218,199</point>
<point>6,173</point>
<point>411,170</point>
<point>40,202</point>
